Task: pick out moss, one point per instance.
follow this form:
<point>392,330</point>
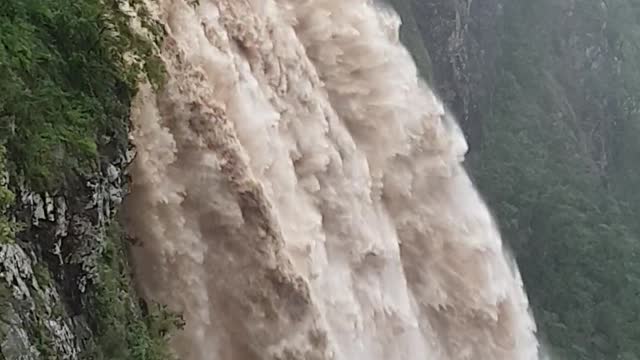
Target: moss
<point>154,68</point>
<point>42,275</point>
<point>7,236</point>
<point>123,330</point>
<point>141,46</point>
<point>65,92</point>
<point>40,335</point>
<point>43,341</point>
<point>5,308</point>
<point>7,227</point>
<point>65,85</point>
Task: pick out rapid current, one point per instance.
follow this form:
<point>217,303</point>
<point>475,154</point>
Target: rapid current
<point>299,194</point>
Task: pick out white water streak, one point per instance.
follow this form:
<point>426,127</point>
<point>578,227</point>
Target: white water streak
<point>299,194</point>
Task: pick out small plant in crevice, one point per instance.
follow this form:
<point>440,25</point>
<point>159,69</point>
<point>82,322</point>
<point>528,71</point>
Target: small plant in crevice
<point>125,327</point>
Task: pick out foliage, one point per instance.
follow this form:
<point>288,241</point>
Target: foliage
<point>7,226</point>
<point>559,164</point>
<point>65,91</point>
<point>123,329</point>
<point>5,308</point>
<point>64,86</point>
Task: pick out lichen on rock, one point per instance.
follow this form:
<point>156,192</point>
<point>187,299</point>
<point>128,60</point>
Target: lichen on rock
<point>65,159</point>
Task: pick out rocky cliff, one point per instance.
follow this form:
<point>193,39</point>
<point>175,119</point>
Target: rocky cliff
<point>65,88</point>
<point>547,94</point>
<point>545,91</point>
<point>461,44</point>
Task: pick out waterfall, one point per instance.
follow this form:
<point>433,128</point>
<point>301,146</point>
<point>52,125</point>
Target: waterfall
<point>298,193</point>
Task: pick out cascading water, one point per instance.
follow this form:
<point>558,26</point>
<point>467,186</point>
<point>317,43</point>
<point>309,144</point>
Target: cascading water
<point>299,194</point>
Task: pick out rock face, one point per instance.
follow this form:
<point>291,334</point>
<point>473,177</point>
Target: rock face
<point>48,275</point>
<point>547,94</point>
<point>456,46</point>
<point>411,37</point>
<point>464,40</point>
<point>65,284</point>
<point>461,37</point>
<point>48,272</point>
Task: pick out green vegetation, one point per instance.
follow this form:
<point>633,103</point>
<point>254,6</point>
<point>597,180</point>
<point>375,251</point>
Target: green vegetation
<point>123,330</point>
<point>559,158</point>
<point>7,227</point>
<point>59,87</point>
<point>559,164</point>
<point>5,308</point>
<point>64,86</point>
<point>40,334</point>
<point>65,91</point>
<point>42,275</point>
<point>559,155</point>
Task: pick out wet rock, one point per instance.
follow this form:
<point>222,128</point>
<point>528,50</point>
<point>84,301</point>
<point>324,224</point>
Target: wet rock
<point>16,343</point>
<point>49,269</point>
<point>36,301</point>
